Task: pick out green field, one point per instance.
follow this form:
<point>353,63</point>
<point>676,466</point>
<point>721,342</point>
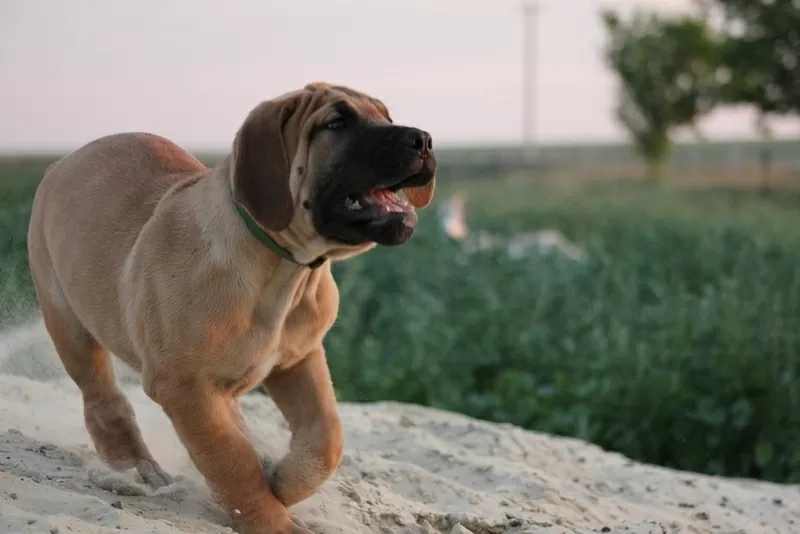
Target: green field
<point>676,342</point>
<point>711,154</point>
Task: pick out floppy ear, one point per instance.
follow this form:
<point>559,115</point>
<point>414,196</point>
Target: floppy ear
<point>422,195</point>
<point>261,165</point>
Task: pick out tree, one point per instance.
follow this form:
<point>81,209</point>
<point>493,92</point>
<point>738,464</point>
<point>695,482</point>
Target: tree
<point>667,69</point>
<point>762,54</point>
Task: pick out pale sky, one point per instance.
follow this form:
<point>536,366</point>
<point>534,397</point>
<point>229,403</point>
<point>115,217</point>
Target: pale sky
<point>73,70</point>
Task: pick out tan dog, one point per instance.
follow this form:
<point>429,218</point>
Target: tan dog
<point>211,282</point>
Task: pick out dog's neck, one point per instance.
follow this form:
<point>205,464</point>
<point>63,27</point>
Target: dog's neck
<point>300,241</point>
<point>263,237</point>
<point>274,244</point>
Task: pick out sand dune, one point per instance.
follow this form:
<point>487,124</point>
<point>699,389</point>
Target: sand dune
<point>406,469</point>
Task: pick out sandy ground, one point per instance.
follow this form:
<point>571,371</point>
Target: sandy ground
<point>405,469</point>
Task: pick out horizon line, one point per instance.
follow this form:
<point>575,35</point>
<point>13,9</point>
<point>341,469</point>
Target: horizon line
<point>448,146</point>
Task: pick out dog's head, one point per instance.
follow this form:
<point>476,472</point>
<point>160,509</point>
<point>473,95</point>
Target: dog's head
<point>323,166</point>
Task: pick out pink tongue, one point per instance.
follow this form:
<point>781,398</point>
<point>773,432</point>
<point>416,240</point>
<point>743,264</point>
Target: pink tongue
<point>389,200</point>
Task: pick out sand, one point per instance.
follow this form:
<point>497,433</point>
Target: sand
<point>405,469</point>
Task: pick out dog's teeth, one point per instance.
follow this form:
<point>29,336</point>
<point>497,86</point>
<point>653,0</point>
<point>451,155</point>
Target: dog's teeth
<point>352,204</point>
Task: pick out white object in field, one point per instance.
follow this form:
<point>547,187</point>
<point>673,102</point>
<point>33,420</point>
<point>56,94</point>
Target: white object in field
<point>520,244</point>
<point>453,217</point>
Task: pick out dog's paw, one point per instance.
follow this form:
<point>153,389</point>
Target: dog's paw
<point>268,467</point>
<point>152,474</point>
<point>288,525</point>
<point>275,483</point>
<point>299,526</point>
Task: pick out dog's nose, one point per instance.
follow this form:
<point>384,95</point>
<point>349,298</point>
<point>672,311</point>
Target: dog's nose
<point>419,141</point>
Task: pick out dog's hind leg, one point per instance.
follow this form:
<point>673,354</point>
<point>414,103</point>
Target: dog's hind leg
<point>108,414</point>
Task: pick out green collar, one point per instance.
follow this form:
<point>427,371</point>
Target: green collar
<point>265,239</point>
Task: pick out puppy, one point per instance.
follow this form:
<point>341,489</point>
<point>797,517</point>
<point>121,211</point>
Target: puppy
<point>211,282</point>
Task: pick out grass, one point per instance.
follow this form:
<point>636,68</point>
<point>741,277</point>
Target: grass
<point>708,154</point>
<point>18,181</point>
<point>674,343</point>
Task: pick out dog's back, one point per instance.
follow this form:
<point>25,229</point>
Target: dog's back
<point>87,214</point>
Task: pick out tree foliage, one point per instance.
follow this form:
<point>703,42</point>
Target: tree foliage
<point>667,69</point>
<point>762,54</point>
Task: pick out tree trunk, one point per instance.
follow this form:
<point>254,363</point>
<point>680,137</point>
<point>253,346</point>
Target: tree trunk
<point>765,154</point>
<point>657,169</point>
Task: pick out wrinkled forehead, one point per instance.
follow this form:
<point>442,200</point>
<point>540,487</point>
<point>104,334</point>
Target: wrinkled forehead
<point>317,102</point>
<point>365,107</point>
<point>359,104</point>
<point>348,100</point>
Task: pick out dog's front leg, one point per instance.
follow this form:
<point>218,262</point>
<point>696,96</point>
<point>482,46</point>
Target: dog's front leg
<point>206,421</point>
<point>304,394</point>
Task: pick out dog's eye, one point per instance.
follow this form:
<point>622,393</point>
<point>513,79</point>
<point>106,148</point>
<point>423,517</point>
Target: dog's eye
<point>335,124</point>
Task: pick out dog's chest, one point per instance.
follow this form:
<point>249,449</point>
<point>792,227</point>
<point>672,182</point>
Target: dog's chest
<point>248,360</point>
<point>278,332</point>
<point>251,355</point>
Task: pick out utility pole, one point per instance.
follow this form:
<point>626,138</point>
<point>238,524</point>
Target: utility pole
<point>530,11</point>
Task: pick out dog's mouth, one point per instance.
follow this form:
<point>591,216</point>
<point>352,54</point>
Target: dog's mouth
<point>377,202</point>
<point>382,213</point>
